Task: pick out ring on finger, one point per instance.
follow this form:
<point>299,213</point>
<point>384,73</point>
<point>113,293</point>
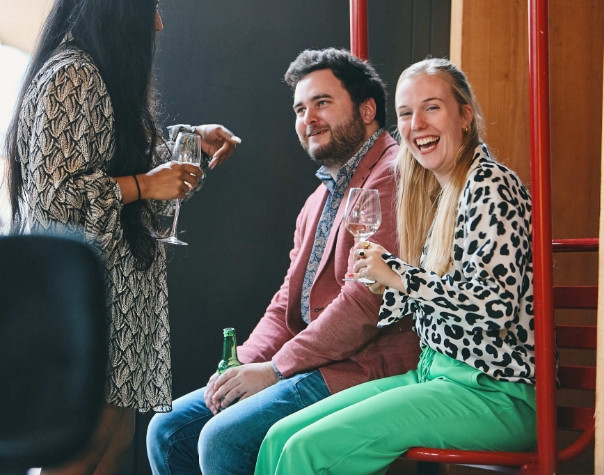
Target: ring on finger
<point>366,245</point>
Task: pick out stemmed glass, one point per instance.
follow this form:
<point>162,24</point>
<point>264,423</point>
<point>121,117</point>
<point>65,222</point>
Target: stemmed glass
<point>362,217</point>
<point>187,149</point>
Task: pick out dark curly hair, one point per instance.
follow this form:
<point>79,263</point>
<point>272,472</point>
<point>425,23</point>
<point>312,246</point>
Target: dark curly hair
<point>358,77</point>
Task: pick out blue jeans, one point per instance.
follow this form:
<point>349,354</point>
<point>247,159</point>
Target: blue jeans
<point>191,437</point>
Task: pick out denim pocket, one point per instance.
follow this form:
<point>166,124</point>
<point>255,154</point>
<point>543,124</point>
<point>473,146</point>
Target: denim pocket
<point>311,387</point>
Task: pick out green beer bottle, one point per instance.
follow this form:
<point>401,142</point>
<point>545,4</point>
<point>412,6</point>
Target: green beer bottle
<point>229,351</point>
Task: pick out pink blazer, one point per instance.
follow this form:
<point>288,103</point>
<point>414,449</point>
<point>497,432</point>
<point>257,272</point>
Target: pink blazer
<point>342,339</point>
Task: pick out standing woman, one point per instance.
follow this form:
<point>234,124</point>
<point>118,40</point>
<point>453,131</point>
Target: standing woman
<point>464,275</point>
<point>81,148</point>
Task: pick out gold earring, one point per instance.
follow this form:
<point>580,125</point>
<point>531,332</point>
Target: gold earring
<point>466,129</point>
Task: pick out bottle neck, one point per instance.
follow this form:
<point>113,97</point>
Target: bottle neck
<point>229,352</point>
<point>229,348</point>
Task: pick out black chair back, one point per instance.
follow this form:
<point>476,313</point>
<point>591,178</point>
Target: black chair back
<point>52,349</point>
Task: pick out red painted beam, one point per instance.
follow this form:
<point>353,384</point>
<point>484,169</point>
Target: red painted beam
<point>575,245</point>
<point>542,235</point>
<point>358,29</point>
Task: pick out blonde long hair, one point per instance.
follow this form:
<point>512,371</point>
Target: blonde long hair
<point>425,210</point>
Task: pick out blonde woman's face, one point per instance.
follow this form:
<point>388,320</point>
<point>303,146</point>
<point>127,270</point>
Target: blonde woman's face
<point>431,122</point>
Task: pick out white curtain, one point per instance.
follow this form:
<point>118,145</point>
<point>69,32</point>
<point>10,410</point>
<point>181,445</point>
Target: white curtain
<point>13,63</point>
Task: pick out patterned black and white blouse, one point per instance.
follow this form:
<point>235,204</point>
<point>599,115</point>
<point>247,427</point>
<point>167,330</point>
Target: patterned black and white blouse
<point>66,139</point>
<point>481,312</point>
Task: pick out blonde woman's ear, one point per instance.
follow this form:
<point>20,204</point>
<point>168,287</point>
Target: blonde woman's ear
<point>467,115</point>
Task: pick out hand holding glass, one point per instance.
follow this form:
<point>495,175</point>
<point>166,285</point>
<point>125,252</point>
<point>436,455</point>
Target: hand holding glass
<point>362,217</point>
<point>187,149</point>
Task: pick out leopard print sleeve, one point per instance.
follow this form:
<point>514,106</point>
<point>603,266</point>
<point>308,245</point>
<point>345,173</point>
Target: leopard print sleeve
<point>482,311</point>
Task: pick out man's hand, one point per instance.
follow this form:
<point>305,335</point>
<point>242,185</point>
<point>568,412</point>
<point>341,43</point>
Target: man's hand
<point>237,383</point>
<point>209,393</point>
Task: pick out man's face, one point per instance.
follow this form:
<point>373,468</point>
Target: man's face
<point>328,123</point>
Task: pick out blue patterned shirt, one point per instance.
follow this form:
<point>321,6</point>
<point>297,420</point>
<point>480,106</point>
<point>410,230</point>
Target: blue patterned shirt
<point>336,189</point>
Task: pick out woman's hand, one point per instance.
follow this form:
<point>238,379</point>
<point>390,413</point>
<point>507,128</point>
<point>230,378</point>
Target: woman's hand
<point>218,142</point>
<point>368,263</point>
<point>169,181</point>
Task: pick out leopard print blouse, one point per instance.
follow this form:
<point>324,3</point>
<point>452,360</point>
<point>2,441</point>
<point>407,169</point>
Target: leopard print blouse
<point>481,312</point>
<point>66,139</point>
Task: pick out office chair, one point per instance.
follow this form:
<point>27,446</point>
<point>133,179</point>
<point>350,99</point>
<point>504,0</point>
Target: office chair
<point>52,349</point>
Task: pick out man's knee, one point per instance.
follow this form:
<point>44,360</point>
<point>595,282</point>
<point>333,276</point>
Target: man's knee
<point>225,440</point>
<point>213,436</point>
<point>157,433</point>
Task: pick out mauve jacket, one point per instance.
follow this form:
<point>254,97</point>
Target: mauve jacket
<point>342,339</point>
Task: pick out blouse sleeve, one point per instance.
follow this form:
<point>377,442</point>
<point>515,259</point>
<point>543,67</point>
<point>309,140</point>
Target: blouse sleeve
<point>491,256</point>
<point>70,144</point>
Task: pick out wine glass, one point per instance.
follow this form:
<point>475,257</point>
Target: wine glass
<point>362,217</point>
<point>187,149</point>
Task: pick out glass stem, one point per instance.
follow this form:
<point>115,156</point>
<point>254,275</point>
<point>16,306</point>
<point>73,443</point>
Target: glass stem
<point>175,221</point>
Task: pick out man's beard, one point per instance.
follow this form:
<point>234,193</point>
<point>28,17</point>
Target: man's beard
<point>346,139</point>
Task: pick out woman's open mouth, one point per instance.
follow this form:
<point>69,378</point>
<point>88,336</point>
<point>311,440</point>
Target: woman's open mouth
<point>427,144</point>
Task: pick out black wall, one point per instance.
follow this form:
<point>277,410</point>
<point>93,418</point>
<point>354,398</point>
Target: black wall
<point>223,61</point>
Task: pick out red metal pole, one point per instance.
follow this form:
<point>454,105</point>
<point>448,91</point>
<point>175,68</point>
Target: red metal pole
<point>542,236</point>
<point>576,245</point>
<point>358,28</point>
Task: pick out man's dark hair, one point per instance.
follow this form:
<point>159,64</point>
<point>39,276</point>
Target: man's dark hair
<point>358,77</point>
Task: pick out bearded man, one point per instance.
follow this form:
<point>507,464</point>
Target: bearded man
<point>318,336</point>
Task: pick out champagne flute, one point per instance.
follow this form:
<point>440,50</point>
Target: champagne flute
<point>187,149</point>
<point>362,218</point>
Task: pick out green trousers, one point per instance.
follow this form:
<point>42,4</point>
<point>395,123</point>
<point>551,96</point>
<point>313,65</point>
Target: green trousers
<point>362,430</point>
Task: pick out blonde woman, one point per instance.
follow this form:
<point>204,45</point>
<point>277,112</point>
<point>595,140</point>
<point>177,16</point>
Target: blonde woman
<point>465,277</point>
